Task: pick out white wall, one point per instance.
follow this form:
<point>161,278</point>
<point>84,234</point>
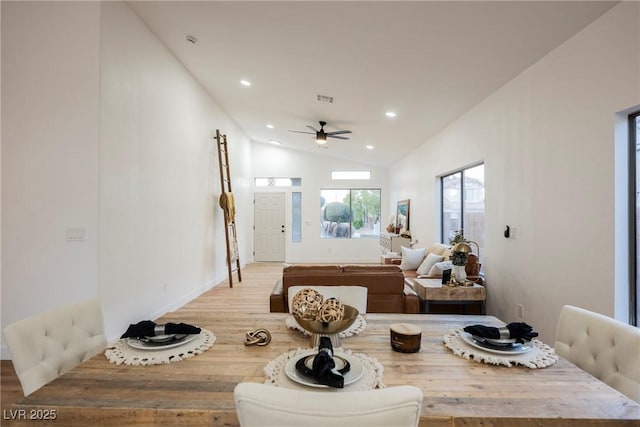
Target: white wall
<point>161,230</point>
<point>105,130</point>
<point>315,171</point>
<point>50,134</point>
<point>547,140</point>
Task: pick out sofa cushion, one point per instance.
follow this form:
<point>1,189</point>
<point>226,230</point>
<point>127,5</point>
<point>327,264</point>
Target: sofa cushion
<point>412,258</point>
<point>429,261</point>
<point>440,249</point>
<point>439,267</point>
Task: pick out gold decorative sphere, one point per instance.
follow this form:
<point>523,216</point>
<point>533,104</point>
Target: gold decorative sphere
<point>306,304</point>
<point>332,310</point>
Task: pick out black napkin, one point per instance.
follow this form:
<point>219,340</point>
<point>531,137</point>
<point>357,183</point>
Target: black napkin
<point>324,367</point>
<point>181,328</point>
<point>519,331</point>
<point>147,328</point>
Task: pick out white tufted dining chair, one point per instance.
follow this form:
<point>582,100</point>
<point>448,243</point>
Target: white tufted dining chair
<point>262,405</point>
<point>355,296</point>
<point>49,344</point>
<point>606,348</point>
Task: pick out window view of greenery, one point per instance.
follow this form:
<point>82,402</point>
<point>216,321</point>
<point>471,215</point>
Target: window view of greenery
<point>463,204</point>
<point>349,213</point>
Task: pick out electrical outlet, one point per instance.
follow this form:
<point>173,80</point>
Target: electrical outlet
<point>521,311</point>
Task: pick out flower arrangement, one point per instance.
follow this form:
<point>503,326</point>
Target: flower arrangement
<point>457,237</point>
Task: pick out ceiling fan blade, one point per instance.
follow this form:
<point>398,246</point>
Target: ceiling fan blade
<point>313,129</point>
<point>338,132</point>
<point>299,131</point>
<point>336,137</point>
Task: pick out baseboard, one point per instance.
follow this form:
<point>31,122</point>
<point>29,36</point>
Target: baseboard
<point>4,350</point>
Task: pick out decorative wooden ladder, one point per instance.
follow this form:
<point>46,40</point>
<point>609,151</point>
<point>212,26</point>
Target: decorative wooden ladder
<point>227,204</point>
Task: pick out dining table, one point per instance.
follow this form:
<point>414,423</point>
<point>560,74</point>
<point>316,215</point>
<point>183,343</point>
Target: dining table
<point>198,391</point>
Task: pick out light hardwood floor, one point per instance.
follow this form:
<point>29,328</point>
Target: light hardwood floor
<point>250,296</point>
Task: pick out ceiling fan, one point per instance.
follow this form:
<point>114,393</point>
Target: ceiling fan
<point>321,135</point>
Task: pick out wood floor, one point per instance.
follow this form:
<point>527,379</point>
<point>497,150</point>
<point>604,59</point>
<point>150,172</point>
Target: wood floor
<point>251,296</point>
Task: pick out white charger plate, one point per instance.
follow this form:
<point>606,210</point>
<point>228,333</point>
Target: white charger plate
<point>355,373</point>
<point>141,345</point>
<point>523,348</point>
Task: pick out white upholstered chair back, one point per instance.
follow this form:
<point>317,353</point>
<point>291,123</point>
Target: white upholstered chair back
<point>355,296</point>
<point>50,344</point>
<point>606,348</point>
<point>261,405</point>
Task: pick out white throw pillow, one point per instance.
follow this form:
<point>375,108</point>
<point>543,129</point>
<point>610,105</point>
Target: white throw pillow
<point>429,262</point>
<point>439,267</point>
<point>412,258</point>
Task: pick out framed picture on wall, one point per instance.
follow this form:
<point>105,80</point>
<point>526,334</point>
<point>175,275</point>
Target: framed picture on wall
<point>402,216</point>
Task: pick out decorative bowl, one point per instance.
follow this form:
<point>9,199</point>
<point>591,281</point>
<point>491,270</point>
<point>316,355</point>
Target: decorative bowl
<point>330,329</point>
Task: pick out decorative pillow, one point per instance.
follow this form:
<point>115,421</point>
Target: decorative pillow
<point>428,262</point>
<point>412,258</point>
<point>439,267</point>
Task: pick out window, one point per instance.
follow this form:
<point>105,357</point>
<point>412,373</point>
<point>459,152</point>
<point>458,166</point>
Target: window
<point>296,217</point>
<point>278,182</point>
<point>634,214</point>
<point>338,175</point>
<point>462,204</point>
<point>349,213</point>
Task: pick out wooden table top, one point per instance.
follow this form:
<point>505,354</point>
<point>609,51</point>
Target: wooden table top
<point>433,289</point>
<point>199,390</point>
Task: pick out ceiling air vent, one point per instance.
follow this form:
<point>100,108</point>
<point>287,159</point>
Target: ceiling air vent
<point>325,98</point>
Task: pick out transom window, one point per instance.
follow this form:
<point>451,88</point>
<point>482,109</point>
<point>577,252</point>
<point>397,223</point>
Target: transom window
<point>278,182</point>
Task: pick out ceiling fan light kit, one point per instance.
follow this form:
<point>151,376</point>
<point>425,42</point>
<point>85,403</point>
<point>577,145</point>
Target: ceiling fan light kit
<point>321,135</point>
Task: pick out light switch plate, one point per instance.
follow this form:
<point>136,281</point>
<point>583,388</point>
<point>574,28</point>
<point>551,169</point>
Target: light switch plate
<point>76,234</point>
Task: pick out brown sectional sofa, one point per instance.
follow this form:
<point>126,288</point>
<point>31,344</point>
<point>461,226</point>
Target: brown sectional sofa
<point>387,292</point>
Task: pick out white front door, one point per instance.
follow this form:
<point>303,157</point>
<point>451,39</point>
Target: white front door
<point>269,214</point>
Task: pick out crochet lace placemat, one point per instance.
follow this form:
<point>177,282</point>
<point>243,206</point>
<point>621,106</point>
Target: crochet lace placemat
<point>371,378</point>
<point>121,352</point>
<point>540,355</point>
<point>359,325</point>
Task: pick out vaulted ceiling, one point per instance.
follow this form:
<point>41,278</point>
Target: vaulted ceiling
<point>427,61</point>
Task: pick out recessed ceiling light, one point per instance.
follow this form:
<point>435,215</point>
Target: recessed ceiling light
<point>245,82</point>
<point>390,114</point>
<point>270,126</point>
<point>370,147</point>
<point>274,142</point>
